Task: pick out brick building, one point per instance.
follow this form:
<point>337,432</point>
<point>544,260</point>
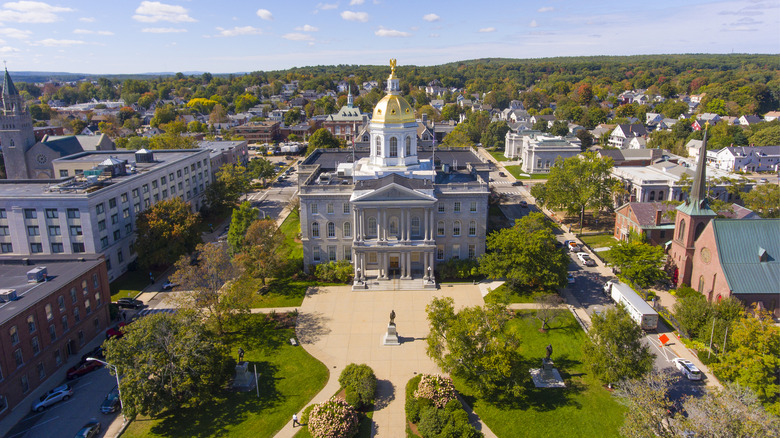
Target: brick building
<point>259,132</point>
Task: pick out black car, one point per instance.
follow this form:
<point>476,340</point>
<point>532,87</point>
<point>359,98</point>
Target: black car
<point>111,402</point>
<point>96,353</point>
<point>89,430</point>
<point>517,183</point>
<point>129,303</point>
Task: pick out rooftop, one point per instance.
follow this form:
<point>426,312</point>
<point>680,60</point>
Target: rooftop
<point>61,271</point>
<point>749,251</point>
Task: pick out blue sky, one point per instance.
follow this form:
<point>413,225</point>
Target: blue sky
<point>133,36</point>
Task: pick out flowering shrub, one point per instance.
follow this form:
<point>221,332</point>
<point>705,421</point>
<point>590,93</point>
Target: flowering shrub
<point>333,419</point>
<point>438,389</point>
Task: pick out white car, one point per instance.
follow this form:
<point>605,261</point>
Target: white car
<point>585,259</point>
<point>687,368</point>
<point>60,393</point>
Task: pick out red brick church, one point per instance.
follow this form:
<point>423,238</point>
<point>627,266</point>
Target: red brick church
<point>725,257</point>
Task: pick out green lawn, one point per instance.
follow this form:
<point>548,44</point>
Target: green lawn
<point>129,284</point>
<point>498,155</point>
<point>291,227</point>
<point>289,377</point>
<point>516,171</point>
<point>583,409</point>
<point>599,240</point>
<point>281,292</point>
<point>499,295</point>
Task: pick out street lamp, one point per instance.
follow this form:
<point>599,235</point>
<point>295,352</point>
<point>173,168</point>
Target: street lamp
<point>116,374</point>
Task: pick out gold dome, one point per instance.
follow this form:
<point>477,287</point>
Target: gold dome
<point>393,109</point>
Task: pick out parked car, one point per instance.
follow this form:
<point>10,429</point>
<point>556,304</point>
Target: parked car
<point>570,278</point>
<point>517,183</point>
<point>585,259</point>
<point>82,368</point>
<point>129,303</point>
<point>687,368</point>
<point>572,246</point>
<point>60,393</point>
<point>501,174</point>
<point>89,430</point>
<point>169,285</point>
<point>524,204</point>
<point>111,403</point>
<point>97,353</point>
<point>116,331</point>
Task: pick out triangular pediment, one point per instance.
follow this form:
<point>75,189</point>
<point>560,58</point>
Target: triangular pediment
<point>391,193</point>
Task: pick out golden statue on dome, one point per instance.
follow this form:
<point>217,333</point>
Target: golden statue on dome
<point>392,66</point>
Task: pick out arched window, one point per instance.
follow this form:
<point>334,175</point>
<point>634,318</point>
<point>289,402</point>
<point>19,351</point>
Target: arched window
<point>652,195</point>
<point>393,225</point>
<point>660,195</point>
<point>701,284</point>
<point>681,231</point>
<point>315,229</point>
<point>393,147</point>
<point>378,147</point>
<point>699,229</point>
<point>347,229</point>
<point>331,230</point>
<point>440,228</point>
<point>408,146</point>
<point>415,226</point>
<point>473,228</point>
<point>371,231</point>
<point>456,228</point>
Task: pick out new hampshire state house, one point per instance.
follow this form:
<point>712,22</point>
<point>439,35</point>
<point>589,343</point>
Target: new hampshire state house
<point>396,210</point>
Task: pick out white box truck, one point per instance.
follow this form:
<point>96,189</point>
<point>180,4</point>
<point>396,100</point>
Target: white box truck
<point>640,311</point>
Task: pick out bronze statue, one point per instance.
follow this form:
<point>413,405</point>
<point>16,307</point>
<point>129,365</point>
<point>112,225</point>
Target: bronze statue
<point>549,351</point>
<point>392,317</point>
<point>392,66</point>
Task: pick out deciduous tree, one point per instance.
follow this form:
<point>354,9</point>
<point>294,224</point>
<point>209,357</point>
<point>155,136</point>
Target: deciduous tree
<point>547,308</point>
<point>262,256</point>
<point>322,138</point>
<point>764,199</point>
<point>242,218</point>
<point>639,261</point>
<point>165,232</point>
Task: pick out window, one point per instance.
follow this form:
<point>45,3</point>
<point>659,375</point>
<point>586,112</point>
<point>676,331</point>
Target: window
<point>77,247</point>
<point>33,230</point>
<point>661,195</point>
<point>2,213</point>
<point>41,371</point>
<point>64,320</point>
<point>456,208</point>
<point>95,281</point>
<point>36,248</point>
<point>371,231</point>
<point>408,146</point>
<point>57,248</point>
<point>332,253</point>
<point>99,208</point>
<point>14,334</point>
<point>57,358</point>
<point>25,383</point>
<point>51,213</point>
<point>4,230</point>
<point>663,234</point>
<point>315,229</point>
<point>135,193</point>
<point>440,228</point>
<point>52,333</point>
<point>456,252</point>
<point>120,256</point>
<point>31,323</point>
<point>73,213</point>
<point>136,207</point>
<point>97,324</point>
<point>117,235</point>
<point>114,218</point>
<point>75,230</point>
<point>112,203</point>
<point>178,173</point>
<point>456,228</point>
<point>315,253</point>
<point>81,337</point>
<point>101,225</point>
<point>54,230</point>
<point>393,147</point>
<point>314,209</point>
<point>61,303</point>
<point>154,184</point>
<point>331,230</point>
<point>681,233</point>
<point>652,195</point>
<point>472,251</point>
<point>6,247</point>
<point>126,213</point>
<point>347,229</point>
<point>346,208</point>
<point>393,226</point>
<point>124,198</point>
<point>36,347</point>
<point>473,228</point>
<point>165,194</point>
<point>347,253</point>
<point>170,176</point>
<point>73,295</point>
<point>104,242</point>
<point>415,226</point>
<point>330,208</point>
<point>18,357</point>
<point>128,228</point>
<point>441,208</point>
<point>63,173</point>
<point>145,188</point>
<point>87,306</point>
<point>440,252</point>
<point>29,213</point>
<point>378,145</point>
<point>473,207</point>
<point>372,258</point>
<point>97,298</point>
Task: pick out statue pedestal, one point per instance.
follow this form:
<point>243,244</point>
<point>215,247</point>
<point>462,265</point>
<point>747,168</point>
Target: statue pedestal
<point>391,337</point>
<point>547,376</point>
<point>244,379</point>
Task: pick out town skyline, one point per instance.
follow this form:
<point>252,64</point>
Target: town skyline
<point>152,36</point>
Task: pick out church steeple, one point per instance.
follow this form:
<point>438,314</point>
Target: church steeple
<point>699,190</point>
<point>11,99</point>
<point>16,131</point>
<point>350,101</point>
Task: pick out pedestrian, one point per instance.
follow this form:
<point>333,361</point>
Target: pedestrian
<point>124,316</point>
<point>295,420</point>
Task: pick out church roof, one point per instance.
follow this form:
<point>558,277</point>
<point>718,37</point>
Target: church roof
<point>64,146</point>
<point>8,85</point>
<point>749,253</point>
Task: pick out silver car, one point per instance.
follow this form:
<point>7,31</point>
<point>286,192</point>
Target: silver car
<point>687,368</point>
<point>60,393</point>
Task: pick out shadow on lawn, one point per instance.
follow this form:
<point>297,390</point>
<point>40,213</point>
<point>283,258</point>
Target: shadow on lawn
<point>232,408</point>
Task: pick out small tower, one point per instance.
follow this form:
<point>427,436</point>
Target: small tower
<point>16,131</point>
<point>350,101</point>
<point>691,218</point>
<point>393,129</point>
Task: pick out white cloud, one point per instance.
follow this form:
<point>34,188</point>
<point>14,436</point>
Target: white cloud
<point>265,14</point>
<point>92,32</point>
<point>487,29</point>
<point>307,28</point>
<point>10,32</point>
<point>546,9</point>
<point>238,31</point>
<point>532,23</point>
<point>434,35</point>
<point>162,30</point>
<point>152,12</point>
<point>297,37</point>
<point>356,2</point>
<point>30,12</point>
<point>51,42</point>
<point>354,16</point>
<point>7,49</point>
<point>327,6</point>
<point>431,17</point>
<point>87,19</point>
<point>392,33</point>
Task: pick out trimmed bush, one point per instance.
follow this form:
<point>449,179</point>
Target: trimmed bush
<point>432,405</point>
<point>333,419</point>
<point>438,389</point>
<point>359,383</point>
<point>412,406</point>
<point>334,272</point>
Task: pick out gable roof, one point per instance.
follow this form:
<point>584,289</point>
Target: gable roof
<point>645,212</point>
<point>739,243</point>
<point>64,146</point>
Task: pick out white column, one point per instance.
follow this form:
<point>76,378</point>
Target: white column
<point>425,230</point>
<point>408,225</point>
<point>384,224</point>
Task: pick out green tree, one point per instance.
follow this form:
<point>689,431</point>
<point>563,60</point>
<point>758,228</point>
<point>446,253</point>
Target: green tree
<point>458,137</point>
<point>322,138</point>
<point>764,199</point>
<point>292,117</point>
<point>232,182</point>
<point>576,184</point>
<point>766,137</point>
<point>752,358</point>
<point>218,115</point>
<point>359,382</point>
<point>639,261</point>
<point>165,232</point>
<point>245,101</point>
<point>242,218</point>
<point>450,112</point>
<point>474,345</point>
<point>526,255</point>
<point>163,114</point>
<point>262,256</point>
<point>167,361</point>
<point>616,350</point>
<point>559,128</point>
<point>261,169</point>
<point>495,134</point>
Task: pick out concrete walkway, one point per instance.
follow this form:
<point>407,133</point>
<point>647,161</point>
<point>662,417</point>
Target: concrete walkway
<point>339,326</point>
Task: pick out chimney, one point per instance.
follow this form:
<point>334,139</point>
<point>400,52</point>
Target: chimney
<point>658,214</point>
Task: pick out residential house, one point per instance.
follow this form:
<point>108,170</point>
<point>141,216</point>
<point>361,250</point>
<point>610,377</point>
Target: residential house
<point>771,115</point>
<point>650,219</point>
<point>748,159</point>
<point>623,134</point>
<point>749,120</point>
